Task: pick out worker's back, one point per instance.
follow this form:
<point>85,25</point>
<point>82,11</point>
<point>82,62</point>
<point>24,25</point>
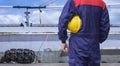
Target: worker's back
<point>94,17</point>
<point>91,14</point>
<point>84,48</point>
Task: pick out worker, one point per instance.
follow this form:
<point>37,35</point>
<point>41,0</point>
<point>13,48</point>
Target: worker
<point>84,45</point>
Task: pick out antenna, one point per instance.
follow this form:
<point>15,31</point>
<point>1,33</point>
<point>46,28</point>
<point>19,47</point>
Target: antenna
<point>40,15</point>
<point>26,12</point>
<point>27,17</point>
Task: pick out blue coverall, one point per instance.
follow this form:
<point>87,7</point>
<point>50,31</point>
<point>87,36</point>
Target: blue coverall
<point>84,46</point>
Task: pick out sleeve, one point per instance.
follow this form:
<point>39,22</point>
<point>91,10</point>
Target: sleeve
<point>66,15</point>
<point>104,25</point>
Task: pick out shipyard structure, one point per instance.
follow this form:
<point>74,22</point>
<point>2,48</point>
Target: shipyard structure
<point>43,41</point>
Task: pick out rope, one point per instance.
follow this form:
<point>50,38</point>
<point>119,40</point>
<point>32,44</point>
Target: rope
<point>49,2</point>
<point>38,54</point>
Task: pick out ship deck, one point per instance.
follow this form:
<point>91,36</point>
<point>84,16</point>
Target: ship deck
<point>55,64</point>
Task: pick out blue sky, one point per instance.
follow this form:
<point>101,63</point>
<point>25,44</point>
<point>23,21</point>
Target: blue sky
<point>29,2</point>
<point>16,16</point>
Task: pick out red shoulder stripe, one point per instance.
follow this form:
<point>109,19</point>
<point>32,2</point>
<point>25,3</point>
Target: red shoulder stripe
<point>77,2</point>
<point>99,3</point>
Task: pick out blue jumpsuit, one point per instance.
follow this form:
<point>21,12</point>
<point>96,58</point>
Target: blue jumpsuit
<point>84,46</point>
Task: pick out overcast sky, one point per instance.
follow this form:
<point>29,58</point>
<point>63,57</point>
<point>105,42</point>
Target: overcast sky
<point>48,16</point>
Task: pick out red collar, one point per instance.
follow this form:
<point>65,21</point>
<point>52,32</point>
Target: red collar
<point>99,3</point>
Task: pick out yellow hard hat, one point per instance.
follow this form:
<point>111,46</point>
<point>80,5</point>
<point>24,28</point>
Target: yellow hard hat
<point>75,24</point>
